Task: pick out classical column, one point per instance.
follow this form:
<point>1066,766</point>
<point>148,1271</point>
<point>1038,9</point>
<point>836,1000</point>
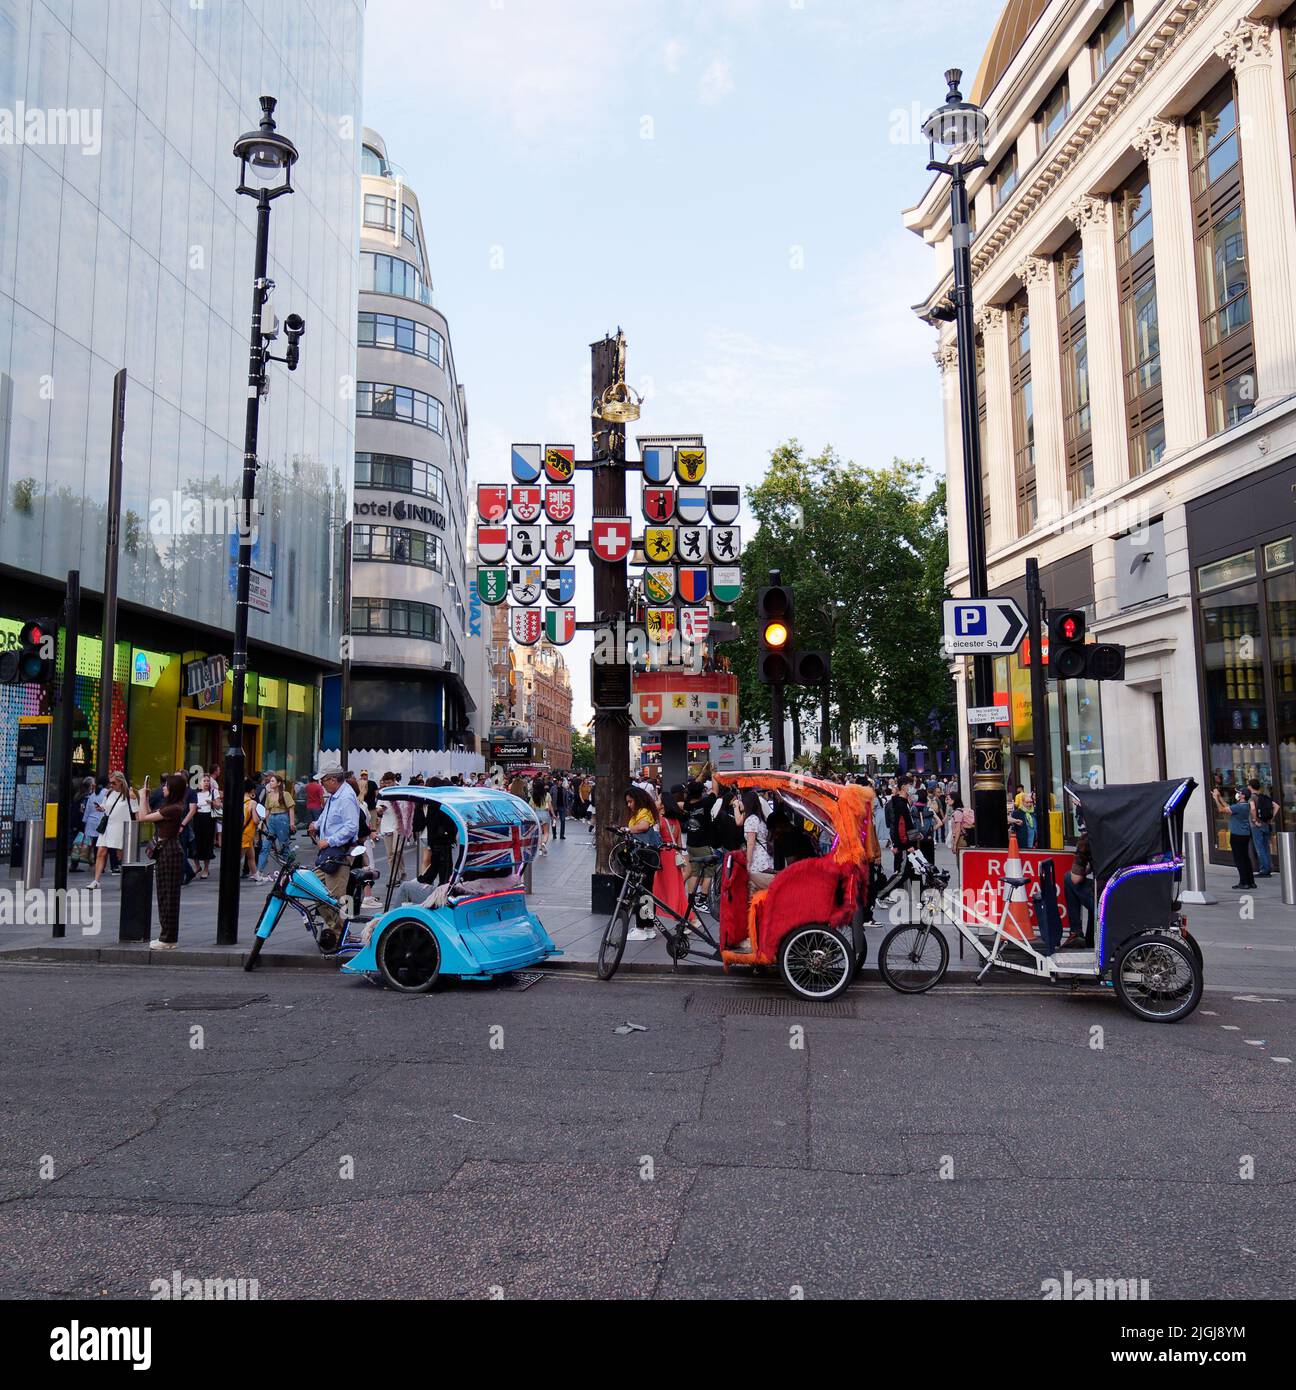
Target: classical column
<point>955,494</point>
<point>1102,332</point>
<point>992,323</point>
<point>1183,395</point>
<point>1036,273</point>
<point>1248,49</point>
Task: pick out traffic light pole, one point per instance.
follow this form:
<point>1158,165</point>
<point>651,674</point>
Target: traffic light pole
<point>1039,704</point>
<point>778,753</point>
<point>67,721</point>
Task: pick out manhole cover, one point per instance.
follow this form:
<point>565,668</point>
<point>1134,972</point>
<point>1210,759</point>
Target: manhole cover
<point>199,1003</point>
<point>768,1006</point>
<point>521,979</point>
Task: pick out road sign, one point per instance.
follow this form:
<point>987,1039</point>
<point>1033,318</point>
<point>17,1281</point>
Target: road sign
<point>987,714</point>
<point>983,626</point>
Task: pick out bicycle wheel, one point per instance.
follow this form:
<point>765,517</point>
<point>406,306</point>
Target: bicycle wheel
<point>612,947</point>
<point>913,958</point>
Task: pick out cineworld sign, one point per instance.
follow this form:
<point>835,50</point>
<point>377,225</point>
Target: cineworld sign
<point>402,511</point>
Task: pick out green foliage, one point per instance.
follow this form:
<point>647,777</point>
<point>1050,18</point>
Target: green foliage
<point>582,752</point>
<point>866,550</point>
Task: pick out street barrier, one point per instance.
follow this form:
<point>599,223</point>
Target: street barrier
<point>33,865</point>
<point>1194,881</point>
<point>1287,866</point>
<point>136,920</point>
<point>130,843</point>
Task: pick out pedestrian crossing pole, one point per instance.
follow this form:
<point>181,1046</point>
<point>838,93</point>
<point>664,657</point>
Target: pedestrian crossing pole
<point>611,599</point>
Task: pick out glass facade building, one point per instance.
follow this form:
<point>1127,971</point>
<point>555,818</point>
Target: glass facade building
<point>123,244</point>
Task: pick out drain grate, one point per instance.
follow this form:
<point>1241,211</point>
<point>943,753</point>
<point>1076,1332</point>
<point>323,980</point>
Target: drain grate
<point>521,979</point>
<point>200,1003</point>
<point>768,1006</point>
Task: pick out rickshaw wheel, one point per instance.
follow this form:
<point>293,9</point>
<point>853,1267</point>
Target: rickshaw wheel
<point>1157,978</point>
<point>816,963</point>
<point>903,967</point>
<point>613,945</point>
<point>409,957</point>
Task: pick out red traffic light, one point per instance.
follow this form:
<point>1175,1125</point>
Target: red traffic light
<point>1069,626</point>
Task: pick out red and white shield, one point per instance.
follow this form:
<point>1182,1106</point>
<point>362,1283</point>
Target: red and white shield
<point>526,502</point>
<point>695,623</point>
<point>560,543</point>
<point>492,502</point>
<point>650,709</point>
<point>492,544</point>
<point>560,502</point>
<point>524,625</point>
<point>610,538</point>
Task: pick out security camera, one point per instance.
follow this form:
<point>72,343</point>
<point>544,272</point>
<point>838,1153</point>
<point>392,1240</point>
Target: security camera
<point>294,327</point>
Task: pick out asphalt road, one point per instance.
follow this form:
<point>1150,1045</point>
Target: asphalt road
<point>327,1138</point>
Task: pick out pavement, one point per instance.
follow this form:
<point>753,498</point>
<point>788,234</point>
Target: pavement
<point>319,1137</point>
<point>1248,940</point>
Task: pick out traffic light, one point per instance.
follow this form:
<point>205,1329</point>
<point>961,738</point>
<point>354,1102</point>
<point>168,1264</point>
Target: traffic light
<point>810,668</point>
<point>774,622</point>
<point>1066,660</point>
<point>32,661</point>
<point>1105,661</point>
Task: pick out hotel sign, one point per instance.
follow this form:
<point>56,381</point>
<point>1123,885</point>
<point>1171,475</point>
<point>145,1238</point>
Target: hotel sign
<point>401,511</point>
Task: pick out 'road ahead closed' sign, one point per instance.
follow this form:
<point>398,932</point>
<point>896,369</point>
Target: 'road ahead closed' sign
<point>983,626</point>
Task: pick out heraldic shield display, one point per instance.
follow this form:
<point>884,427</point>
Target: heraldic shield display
<point>560,625</point>
<point>492,502</point>
<point>524,584</point>
<point>526,462</point>
<point>559,462</point>
<point>492,543</point>
<point>659,544</point>
<point>525,500</point>
<point>560,502</point>
<point>560,543</point>
<point>524,626</point>
<point>610,537</point>
<point>492,585</point>
<point>659,584</point>
<point>560,584</point>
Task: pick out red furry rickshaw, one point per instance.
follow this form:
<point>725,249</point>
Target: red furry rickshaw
<point>808,924</point>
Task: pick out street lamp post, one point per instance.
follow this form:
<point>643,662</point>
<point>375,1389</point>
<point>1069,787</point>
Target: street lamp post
<point>959,127</point>
<point>268,157</point>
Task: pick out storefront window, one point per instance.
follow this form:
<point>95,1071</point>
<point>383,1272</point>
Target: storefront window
<point>1278,555</point>
<point>1227,571</point>
<point>1281,594</point>
<point>1237,726</point>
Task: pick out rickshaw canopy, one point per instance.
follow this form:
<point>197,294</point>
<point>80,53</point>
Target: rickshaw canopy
<point>494,830</point>
<point>1131,823</point>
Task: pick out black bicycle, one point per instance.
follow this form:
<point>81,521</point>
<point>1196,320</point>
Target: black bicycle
<point>639,863</point>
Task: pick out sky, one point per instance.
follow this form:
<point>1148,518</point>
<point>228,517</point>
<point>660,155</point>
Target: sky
<point>721,179</point>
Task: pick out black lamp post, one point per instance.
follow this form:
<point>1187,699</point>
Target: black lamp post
<point>959,127</point>
<point>268,157</point>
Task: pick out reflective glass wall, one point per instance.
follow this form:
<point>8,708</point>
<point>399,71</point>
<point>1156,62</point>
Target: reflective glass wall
<point>124,244</point>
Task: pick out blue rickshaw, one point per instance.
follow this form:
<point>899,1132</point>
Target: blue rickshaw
<point>481,839</point>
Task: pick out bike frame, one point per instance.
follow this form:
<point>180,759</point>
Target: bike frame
<point>634,883</point>
<point>278,899</point>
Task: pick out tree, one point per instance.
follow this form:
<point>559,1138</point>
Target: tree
<point>866,550</point>
<point>582,752</point>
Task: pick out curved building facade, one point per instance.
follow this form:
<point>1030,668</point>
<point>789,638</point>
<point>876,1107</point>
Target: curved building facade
<point>409,517</point>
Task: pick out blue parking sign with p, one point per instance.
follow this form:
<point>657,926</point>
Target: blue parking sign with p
<point>970,620</point>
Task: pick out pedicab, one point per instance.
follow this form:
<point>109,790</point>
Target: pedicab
<point>1142,947</point>
<point>474,926</point>
<point>808,924</point>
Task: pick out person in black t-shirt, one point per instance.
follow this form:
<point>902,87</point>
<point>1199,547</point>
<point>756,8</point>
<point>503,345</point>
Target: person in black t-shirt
<point>696,825</point>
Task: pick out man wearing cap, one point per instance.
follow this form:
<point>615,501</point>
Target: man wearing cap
<point>335,832</point>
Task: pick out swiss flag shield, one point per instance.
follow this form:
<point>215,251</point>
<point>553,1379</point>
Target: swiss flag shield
<point>492,502</point>
<point>560,502</point>
<point>526,503</point>
<point>610,537</point>
<point>650,709</point>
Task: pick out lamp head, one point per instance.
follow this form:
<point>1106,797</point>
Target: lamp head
<point>267,155</point>
<point>958,124</point>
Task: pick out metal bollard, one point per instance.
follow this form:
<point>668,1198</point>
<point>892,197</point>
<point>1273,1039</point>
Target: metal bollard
<point>1194,889</point>
<point>130,843</point>
<point>33,855</point>
<point>1287,866</point>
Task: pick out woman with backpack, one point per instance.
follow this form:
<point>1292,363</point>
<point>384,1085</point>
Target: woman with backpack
<point>925,820</point>
<point>1262,826</point>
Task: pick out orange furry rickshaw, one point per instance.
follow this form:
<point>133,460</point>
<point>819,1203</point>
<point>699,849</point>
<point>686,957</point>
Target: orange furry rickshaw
<point>809,922</point>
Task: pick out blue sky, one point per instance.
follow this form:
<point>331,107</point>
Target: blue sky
<point>722,179</point>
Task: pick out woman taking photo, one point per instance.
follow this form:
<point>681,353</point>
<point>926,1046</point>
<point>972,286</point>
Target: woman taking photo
<point>542,805</point>
<point>119,807</point>
<point>280,822</point>
<point>169,859</point>
<point>205,818</point>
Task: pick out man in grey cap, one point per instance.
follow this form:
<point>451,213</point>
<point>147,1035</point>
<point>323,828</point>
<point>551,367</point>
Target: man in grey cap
<point>334,834</point>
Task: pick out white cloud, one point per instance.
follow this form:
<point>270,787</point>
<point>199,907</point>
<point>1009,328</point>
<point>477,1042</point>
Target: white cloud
<point>717,82</point>
<point>673,55</point>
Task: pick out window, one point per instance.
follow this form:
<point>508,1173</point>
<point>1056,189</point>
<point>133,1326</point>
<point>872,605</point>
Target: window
<point>1112,35</point>
<point>1023,412</point>
<point>1004,178</point>
<point>374,400</point>
<point>379,211</point>
<point>401,335</point>
<point>384,617</point>
<point>371,162</point>
<point>398,474</point>
<point>1073,343</point>
<point>1140,333</point>
<point>1053,114</point>
<point>383,274</point>
<point>401,544</point>
<point>409,225</point>
<point>1228,350</point>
